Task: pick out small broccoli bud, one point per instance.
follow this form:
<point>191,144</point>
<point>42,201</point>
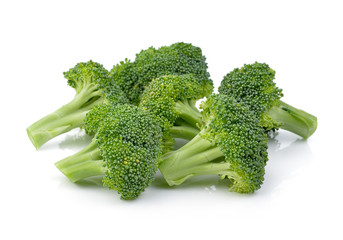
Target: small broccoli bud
<point>85,74</point>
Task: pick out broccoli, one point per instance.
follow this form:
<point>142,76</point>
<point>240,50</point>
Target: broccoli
<point>124,151</point>
<point>231,144</point>
<point>172,99</point>
<point>93,86</point>
<point>125,82</point>
<point>176,59</point>
<point>253,85</point>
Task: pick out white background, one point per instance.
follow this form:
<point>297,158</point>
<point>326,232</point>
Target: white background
<point>302,194</point>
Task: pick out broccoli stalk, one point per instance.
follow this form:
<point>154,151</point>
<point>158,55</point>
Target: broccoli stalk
<point>83,164</point>
<point>197,157</point>
<point>231,144</point>
<point>187,112</point>
<point>93,86</point>
<point>188,123</point>
<point>292,119</point>
<point>66,118</point>
<point>84,170</point>
<point>253,85</point>
<point>183,131</point>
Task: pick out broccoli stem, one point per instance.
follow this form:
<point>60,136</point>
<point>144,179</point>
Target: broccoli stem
<point>90,152</point>
<point>198,157</point>
<point>84,170</point>
<point>192,104</point>
<point>86,163</point>
<point>66,118</point>
<point>184,132</point>
<point>294,120</point>
<point>189,113</point>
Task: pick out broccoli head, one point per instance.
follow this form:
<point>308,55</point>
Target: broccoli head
<point>124,151</point>
<point>93,86</point>
<point>176,59</point>
<point>231,144</point>
<point>254,85</point>
<point>172,99</point>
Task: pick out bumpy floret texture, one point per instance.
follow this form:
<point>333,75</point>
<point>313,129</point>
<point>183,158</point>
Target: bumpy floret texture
<point>162,94</point>
<point>92,75</point>
<point>96,117</point>
<point>176,59</point>
<point>129,140</point>
<point>254,85</point>
<point>85,73</point>
<point>236,131</point>
<point>130,170</point>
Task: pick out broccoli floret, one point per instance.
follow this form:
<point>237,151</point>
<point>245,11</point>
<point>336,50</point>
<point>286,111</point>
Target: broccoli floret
<point>93,86</point>
<point>231,144</point>
<point>254,85</point>
<point>172,99</point>
<point>176,59</point>
<point>124,151</point>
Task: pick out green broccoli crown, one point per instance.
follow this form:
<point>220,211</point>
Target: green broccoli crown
<point>254,85</point>
<point>236,131</point>
<point>93,76</point>
<point>86,73</point>
<point>117,69</point>
<point>129,140</point>
<point>176,59</point>
<point>168,97</point>
<point>162,94</point>
<point>114,95</point>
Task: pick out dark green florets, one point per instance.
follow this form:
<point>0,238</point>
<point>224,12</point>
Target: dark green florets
<point>176,59</point>
<point>253,84</point>
<point>129,171</point>
<point>236,131</point>
<point>129,140</point>
<point>131,123</point>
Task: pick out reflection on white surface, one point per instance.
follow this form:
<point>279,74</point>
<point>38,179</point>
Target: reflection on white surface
<point>77,139</point>
<point>74,140</point>
<point>289,155</point>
